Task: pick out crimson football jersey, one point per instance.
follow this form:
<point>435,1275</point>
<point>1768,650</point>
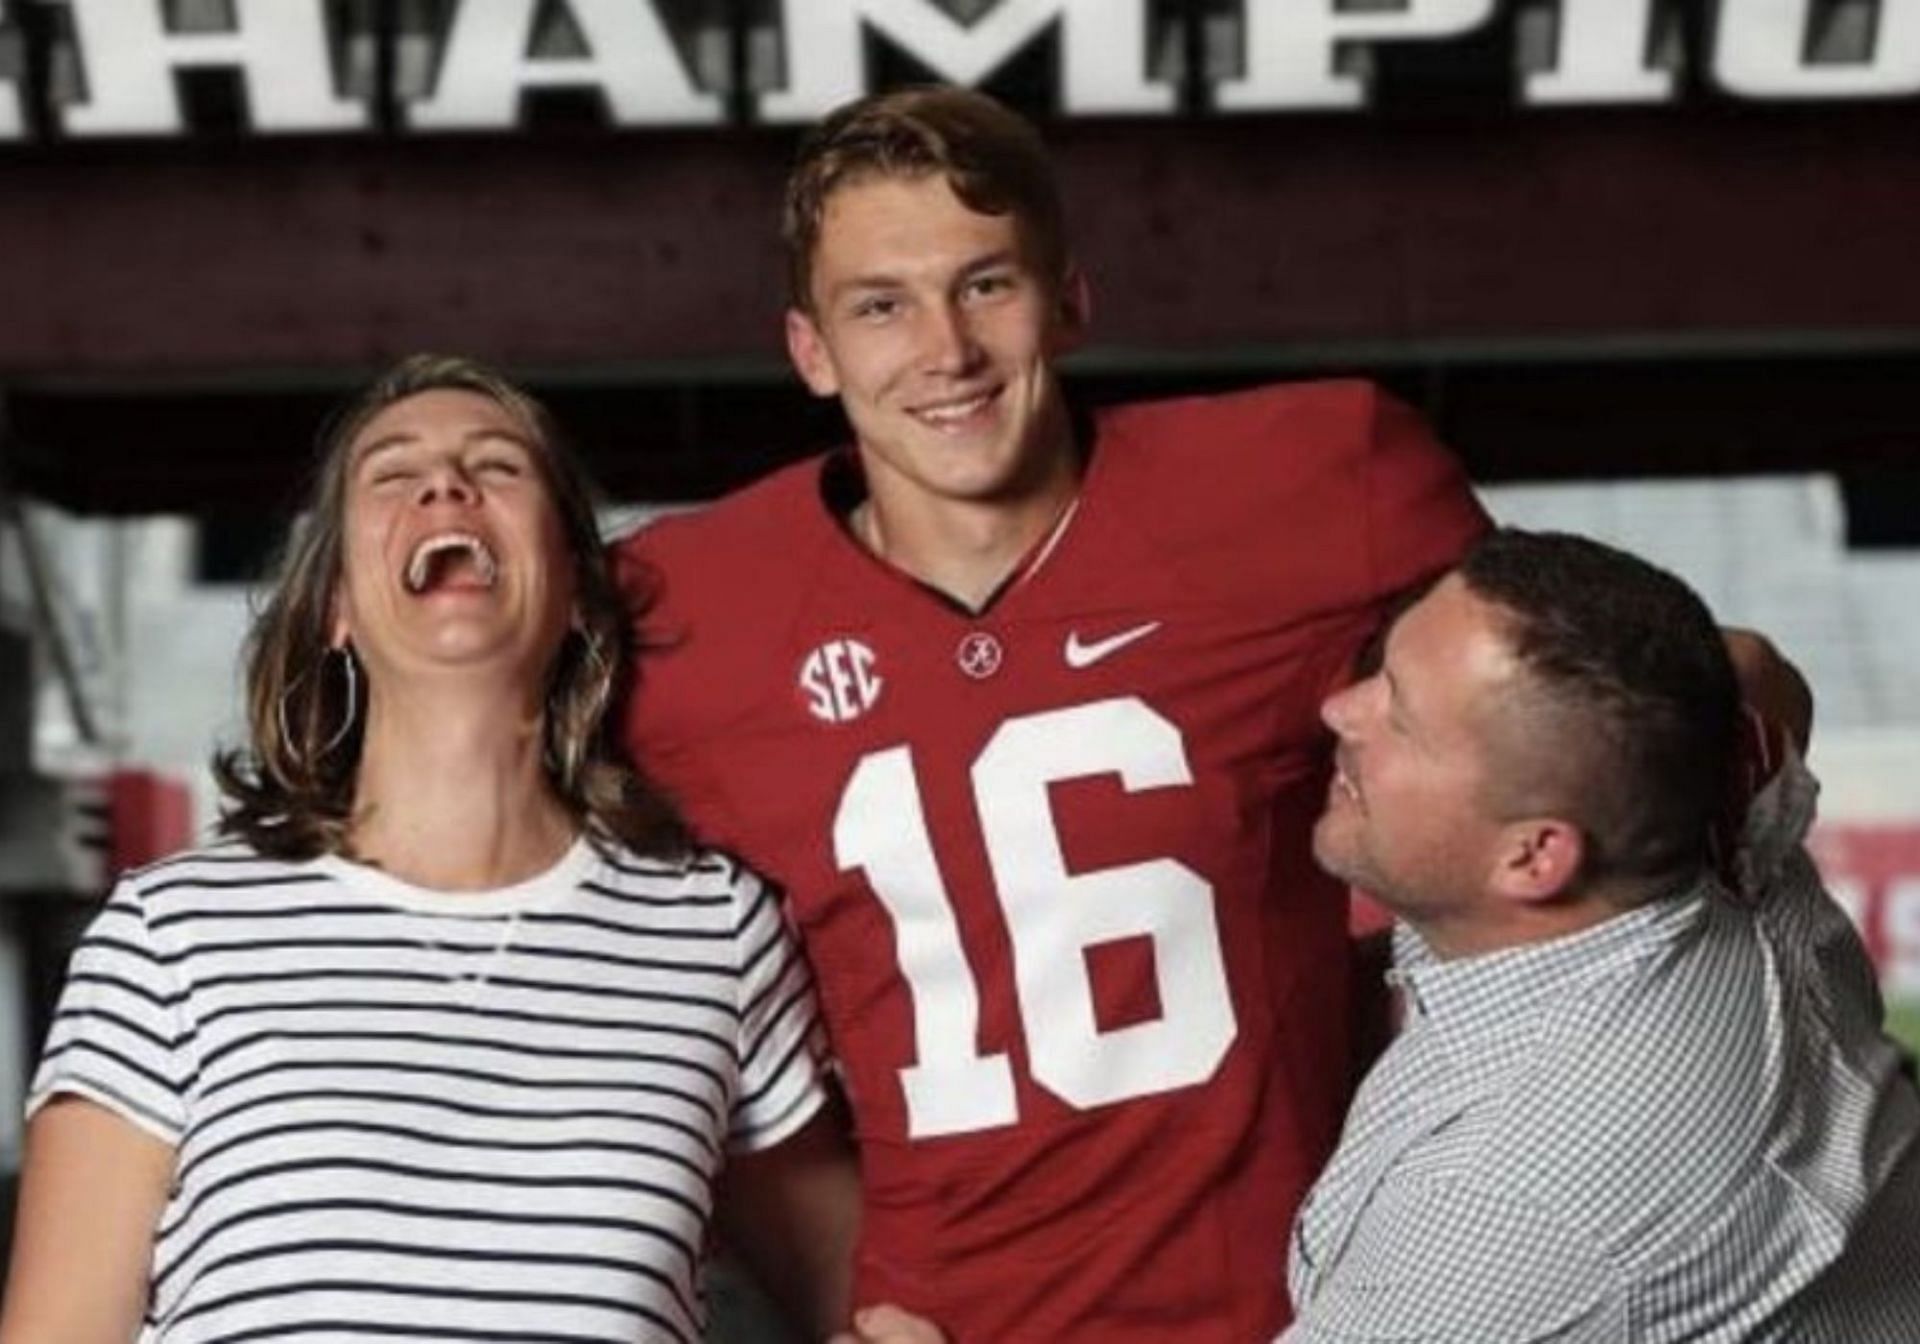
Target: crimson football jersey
<point>1051,862</point>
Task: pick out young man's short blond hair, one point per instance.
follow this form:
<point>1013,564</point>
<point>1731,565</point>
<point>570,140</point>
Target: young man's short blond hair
<point>992,158</point>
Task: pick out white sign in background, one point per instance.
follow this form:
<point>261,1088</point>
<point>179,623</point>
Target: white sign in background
<point>1280,56</point>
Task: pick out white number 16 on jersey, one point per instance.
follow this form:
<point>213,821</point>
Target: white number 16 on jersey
<point>1052,917</point>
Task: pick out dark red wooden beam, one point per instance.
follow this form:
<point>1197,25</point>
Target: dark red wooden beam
<point>1704,284</point>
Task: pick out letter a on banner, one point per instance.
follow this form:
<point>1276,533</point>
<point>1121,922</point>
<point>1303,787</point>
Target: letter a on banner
<point>1103,45</point>
<point>280,48</point>
<point>1291,46</point>
<point>1766,49</point>
<point>631,60</point>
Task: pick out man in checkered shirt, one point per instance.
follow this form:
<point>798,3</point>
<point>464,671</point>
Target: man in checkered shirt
<point>1627,1105</point>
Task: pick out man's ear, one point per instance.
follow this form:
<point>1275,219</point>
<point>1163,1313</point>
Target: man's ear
<point>1539,859</point>
<point>807,348</point>
<point>1073,311</point>
<point>339,631</point>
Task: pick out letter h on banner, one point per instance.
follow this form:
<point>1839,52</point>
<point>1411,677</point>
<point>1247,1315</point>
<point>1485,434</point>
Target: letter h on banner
<point>130,56</point>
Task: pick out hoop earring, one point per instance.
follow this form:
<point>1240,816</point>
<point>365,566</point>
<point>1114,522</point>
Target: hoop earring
<point>353,701</point>
<point>599,673</point>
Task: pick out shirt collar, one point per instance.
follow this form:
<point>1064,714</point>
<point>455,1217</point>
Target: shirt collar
<point>1465,993</point>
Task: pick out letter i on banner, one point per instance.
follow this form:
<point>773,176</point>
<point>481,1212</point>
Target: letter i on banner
<point>281,49</point>
<point>1603,52</point>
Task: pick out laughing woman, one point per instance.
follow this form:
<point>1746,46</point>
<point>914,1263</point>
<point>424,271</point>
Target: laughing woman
<point>451,1039</point>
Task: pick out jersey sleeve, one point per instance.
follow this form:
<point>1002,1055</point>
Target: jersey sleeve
<point>665,741</point>
<point>1411,515</point>
<point>637,572</point>
<point>1420,514</point>
<point>782,1040</point>
<point>1299,502</point>
<point>1441,1261</point>
<point>120,1037</point>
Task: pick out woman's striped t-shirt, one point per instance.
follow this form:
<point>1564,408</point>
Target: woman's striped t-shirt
<point>403,1113</point>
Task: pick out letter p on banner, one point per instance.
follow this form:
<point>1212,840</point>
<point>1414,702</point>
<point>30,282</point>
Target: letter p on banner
<point>1292,48</point>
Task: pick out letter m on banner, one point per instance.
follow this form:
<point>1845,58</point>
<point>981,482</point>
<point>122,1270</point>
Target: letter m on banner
<point>1103,46</point>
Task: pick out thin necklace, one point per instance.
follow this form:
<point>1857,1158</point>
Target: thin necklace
<point>465,976</point>
<point>468,969</point>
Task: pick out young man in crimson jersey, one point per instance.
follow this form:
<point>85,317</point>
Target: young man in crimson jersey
<point>1025,722</point>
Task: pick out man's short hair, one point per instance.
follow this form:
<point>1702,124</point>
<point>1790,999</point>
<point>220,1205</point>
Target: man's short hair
<point>992,158</point>
<point>1634,724</point>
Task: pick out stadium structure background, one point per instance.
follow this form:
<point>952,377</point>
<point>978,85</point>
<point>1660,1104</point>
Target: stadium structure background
<point>1684,313</point>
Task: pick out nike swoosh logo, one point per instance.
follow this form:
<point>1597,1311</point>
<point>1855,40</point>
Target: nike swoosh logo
<point>1086,655</point>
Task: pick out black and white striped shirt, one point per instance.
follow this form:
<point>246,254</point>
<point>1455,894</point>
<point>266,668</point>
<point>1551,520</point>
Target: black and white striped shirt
<point>403,1113</point>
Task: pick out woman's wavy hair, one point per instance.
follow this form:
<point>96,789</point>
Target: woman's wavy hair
<point>289,792</point>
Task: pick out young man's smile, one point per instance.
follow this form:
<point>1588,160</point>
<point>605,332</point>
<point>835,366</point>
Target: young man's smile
<point>934,326</point>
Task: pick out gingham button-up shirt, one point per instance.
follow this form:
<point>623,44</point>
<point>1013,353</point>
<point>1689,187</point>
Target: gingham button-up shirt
<point>1681,1124</point>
